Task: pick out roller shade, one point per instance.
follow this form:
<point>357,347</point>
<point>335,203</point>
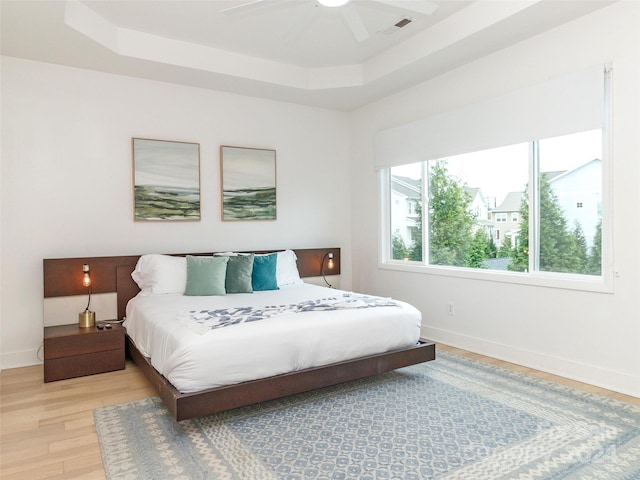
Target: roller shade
<point>560,106</point>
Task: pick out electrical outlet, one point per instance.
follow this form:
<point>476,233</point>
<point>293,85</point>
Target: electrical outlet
<point>451,309</point>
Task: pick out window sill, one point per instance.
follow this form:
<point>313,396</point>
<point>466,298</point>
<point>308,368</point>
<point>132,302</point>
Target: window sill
<point>539,279</point>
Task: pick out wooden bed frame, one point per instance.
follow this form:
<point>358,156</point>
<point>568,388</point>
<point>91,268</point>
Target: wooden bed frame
<point>63,277</point>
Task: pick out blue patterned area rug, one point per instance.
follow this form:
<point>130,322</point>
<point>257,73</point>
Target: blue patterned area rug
<point>453,418</point>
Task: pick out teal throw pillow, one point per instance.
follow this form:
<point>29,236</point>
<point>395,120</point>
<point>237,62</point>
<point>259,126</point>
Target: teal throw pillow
<point>239,272</point>
<point>206,275</point>
<point>264,272</point>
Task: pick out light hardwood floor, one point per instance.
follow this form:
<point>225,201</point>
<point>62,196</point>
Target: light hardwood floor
<point>47,430</point>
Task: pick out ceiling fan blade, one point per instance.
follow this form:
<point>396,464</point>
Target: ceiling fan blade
<point>418,6</point>
<point>356,25</point>
<point>243,7</point>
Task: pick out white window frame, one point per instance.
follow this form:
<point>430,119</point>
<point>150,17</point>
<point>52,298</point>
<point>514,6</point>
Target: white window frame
<point>602,283</point>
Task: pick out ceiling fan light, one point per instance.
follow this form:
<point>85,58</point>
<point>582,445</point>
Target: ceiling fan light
<point>333,3</point>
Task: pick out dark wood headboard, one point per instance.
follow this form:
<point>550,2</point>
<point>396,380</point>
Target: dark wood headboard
<point>63,276</point>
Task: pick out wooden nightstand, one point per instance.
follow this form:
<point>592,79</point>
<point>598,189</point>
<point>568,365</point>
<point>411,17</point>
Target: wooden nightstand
<point>71,351</point>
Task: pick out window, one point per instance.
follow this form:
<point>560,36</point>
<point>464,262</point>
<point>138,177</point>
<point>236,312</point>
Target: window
<point>406,221</point>
<point>552,235</point>
<point>506,184</point>
<point>570,168</point>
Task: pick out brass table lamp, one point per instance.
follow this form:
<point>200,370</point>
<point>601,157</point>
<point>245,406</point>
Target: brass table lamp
<point>87,318</point>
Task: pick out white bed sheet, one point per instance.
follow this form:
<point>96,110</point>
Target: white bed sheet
<point>193,362</point>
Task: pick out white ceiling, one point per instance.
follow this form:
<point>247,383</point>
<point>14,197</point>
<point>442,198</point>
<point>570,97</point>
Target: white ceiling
<point>290,50</point>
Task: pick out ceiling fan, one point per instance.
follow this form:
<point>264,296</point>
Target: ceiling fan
<point>349,12</point>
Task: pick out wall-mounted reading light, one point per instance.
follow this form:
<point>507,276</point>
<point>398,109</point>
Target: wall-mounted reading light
<point>86,318</point>
<point>328,255</point>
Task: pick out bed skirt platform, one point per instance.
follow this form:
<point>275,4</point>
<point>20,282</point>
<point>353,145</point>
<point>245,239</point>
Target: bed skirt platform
<point>188,405</point>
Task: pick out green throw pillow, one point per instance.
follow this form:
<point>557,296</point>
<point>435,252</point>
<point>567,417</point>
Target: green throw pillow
<point>264,272</point>
<point>206,275</point>
<point>239,271</point>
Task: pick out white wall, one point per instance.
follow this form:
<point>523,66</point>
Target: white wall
<point>592,337</point>
<point>67,177</point>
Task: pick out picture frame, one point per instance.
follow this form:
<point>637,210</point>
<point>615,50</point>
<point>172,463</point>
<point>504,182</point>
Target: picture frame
<point>248,183</point>
<point>166,180</point>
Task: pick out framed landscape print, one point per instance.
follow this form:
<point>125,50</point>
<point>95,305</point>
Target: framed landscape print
<point>166,179</point>
<point>248,178</point>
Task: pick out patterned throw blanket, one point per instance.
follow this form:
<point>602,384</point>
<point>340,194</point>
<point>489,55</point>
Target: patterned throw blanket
<point>201,321</point>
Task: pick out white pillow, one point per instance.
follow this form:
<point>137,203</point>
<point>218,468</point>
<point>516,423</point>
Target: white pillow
<point>287,268</point>
<point>159,274</point>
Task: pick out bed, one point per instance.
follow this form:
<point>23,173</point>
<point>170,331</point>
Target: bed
<point>201,360</point>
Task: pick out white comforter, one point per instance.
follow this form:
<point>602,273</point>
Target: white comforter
<point>248,351</point>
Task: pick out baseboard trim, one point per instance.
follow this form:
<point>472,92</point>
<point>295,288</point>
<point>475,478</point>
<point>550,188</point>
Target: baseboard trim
<point>26,358</point>
<point>586,373</point>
